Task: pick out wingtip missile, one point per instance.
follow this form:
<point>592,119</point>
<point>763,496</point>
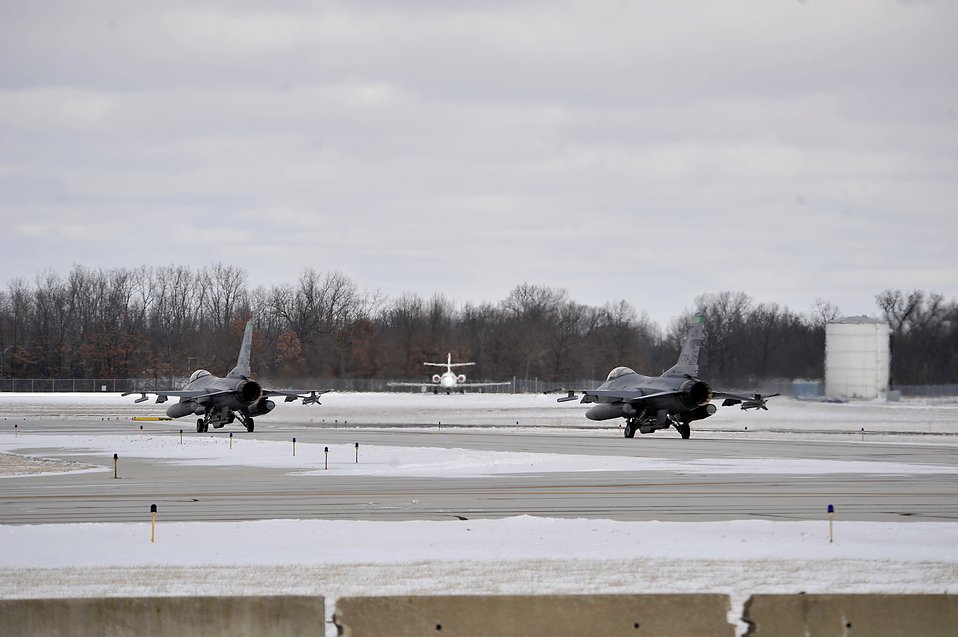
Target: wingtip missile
<point>313,398</point>
<point>758,402</point>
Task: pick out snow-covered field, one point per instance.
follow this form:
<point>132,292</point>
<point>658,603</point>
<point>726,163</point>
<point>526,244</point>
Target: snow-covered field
<point>521,555</point>
<point>380,460</point>
<point>512,555</point>
<point>806,419</point>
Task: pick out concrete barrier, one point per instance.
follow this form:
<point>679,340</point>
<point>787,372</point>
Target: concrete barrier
<point>849,615</point>
<point>531,616</point>
<point>483,615</point>
<point>164,617</point>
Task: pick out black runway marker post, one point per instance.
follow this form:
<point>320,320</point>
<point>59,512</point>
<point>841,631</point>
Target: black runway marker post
<point>116,461</point>
<point>326,451</point>
<point>357,453</point>
<point>152,524</point>
<point>294,447</point>
<point>831,516</point>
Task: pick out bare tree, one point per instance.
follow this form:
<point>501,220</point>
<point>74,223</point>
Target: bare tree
<point>168,321</point>
<point>823,312</point>
<point>725,317</point>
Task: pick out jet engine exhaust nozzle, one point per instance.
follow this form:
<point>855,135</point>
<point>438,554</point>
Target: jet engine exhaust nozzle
<point>695,393</point>
<point>249,391</point>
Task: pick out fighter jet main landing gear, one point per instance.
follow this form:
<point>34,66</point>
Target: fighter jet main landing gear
<point>246,421</point>
<point>203,424</point>
<point>650,425</point>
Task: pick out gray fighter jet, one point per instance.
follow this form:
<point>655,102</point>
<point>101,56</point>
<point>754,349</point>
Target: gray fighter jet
<point>674,399</point>
<point>220,401</point>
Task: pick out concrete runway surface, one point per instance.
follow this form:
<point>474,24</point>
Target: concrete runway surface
<point>188,493</point>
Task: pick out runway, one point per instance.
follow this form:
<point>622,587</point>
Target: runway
<point>208,493</point>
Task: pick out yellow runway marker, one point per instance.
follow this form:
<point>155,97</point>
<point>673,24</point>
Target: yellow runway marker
<point>150,418</point>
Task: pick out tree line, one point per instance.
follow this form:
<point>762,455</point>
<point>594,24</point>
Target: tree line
<point>164,322</point>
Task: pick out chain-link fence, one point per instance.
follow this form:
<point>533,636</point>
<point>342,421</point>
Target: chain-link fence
<point>33,385</point>
<point>514,386</point>
<point>928,391</point>
<point>86,384</point>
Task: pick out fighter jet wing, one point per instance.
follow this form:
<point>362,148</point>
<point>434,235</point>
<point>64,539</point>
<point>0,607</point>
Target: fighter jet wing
<point>311,395</point>
<point>162,394</point>
<point>753,401</point>
<point>625,395</point>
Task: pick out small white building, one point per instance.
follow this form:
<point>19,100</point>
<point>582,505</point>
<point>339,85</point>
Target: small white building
<point>857,357</point>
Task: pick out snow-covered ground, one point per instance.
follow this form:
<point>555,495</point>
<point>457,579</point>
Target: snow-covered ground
<point>380,460</point>
<point>806,419</point>
<point>512,555</point>
<point>522,555</point>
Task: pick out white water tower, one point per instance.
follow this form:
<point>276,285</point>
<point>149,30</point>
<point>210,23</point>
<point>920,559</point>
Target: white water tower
<point>857,357</point>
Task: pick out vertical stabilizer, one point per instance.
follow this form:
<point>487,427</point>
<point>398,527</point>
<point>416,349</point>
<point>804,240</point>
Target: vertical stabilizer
<point>688,363</point>
<point>242,361</point>
<point>448,364</point>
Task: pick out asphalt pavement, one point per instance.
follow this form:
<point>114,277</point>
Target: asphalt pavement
<point>193,493</point>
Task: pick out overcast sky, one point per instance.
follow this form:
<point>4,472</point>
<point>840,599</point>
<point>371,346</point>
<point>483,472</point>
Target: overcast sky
<point>646,151</point>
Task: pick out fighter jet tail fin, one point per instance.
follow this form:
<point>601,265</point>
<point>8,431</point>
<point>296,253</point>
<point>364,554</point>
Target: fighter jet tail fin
<point>242,361</point>
<point>688,363</point>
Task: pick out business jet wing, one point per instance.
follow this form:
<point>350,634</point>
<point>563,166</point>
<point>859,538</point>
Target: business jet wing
<point>466,385</point>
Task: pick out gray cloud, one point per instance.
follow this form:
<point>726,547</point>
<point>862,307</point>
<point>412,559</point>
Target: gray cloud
<point>638,150</point>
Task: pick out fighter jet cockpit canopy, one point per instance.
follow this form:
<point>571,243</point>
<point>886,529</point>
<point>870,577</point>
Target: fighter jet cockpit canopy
<point>200,373</point>
<point>618,371</point>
